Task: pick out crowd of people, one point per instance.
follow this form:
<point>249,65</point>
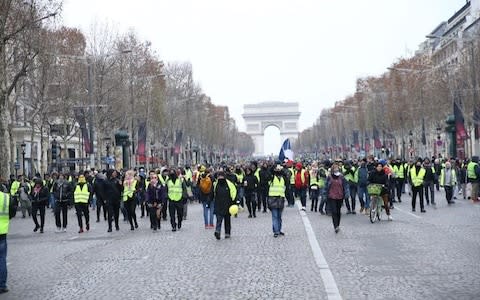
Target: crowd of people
<point>255,186</point>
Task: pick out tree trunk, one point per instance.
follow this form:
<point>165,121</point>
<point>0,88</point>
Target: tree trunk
<point>4,136</point>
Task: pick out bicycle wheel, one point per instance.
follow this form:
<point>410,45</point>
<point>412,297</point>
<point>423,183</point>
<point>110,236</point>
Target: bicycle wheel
<point>373,209</point>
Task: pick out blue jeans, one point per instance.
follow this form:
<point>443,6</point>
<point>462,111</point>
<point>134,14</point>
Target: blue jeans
<point>208,212</point>
<point>277,220</point>
<point>3,263</point>
<point>52,201</point>
<point>362,191</point>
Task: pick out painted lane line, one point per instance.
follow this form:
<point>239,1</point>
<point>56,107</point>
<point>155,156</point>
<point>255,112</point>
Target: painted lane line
<point>327,277</point>
<point>407,212</point>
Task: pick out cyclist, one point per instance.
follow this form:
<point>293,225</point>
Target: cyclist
<point>378,176</point>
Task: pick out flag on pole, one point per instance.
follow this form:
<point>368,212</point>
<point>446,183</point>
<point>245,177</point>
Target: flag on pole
<point>459,121</point>
<point>376,138</point>
<point>286,151</point>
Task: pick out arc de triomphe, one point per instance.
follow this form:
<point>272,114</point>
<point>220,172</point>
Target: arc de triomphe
<point>283,115</point>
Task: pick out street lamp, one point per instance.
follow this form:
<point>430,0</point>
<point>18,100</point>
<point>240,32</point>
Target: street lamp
<point>53,132</point>
<point>23,145</point>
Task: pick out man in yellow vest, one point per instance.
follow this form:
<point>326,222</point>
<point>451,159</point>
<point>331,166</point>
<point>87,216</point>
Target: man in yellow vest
<point>276,200</point>
<point>15,185</point>
<point>82,196</point>
<point>6,213</point>
<point>473,177</point>
<point>175,187</point>
<point>417,173</point>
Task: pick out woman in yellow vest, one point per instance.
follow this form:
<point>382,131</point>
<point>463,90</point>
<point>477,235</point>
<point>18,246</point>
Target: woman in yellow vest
<point>130,187</point>
<point>82,196</point>
<point>225,195</point>
<point>276,199</point>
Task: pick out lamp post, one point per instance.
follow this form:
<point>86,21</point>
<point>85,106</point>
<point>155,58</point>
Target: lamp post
<point>53,132</point>
<point>23,145</point>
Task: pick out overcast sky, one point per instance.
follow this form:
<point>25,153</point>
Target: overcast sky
<point>250,51</point>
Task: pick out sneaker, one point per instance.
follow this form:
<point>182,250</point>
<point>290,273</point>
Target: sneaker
<point>337,229</point>
<point>227,236</point>
<point>322,212</point>
<point>303,208</point>
<point>349,212</point>
<point>275,235</point>
<point>361,209</point>
<point>413,209</point>
<point>117,228</point>
<point>207,226</point>
<point>423,211</point>
<point>41,230</point>
<point>399,200</point>
<point>217,235</point>
<point>109,230</point>
<point>81,230</point>
<point>390,218</point>
<point>64,229</point>
<point>36,228</point>
<point>354,212</point>
<point>87,227</point>
<point>58,230</point>
<point>249,216</point>
<point>281,233</point>
<point>3,290</point>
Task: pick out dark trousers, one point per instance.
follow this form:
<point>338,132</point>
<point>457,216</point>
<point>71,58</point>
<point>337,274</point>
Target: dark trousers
<point>399,182</point>
<point>314,198</point>
<point>251,203</point>
<point>449,193</point>
<point>302,193</point>
<point>290,197</point>
<point>101,204</point>
<point>164,211</point>
<point>429,191</point>
<point>335,206</point>
<point>113,213</point>
<point>417,190</point>
<point>228,225</point>
<point>82,209</point>
<point>130,205</point>
<point>35,209</point>
<point>154,221</point>
<point>61,207</point>
<point>175,207</point>
<point>262,198</point>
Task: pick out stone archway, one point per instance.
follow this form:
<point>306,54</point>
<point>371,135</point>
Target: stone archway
<point>283,115</point>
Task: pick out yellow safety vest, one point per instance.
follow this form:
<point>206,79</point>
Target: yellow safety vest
<point>399,171</point>
<point>239,178</point>
<point>417,179</point>
<point>129,191</point>
<point>277,187</point>
<point>174,190</point>
<point>161,180</point>
<point>257,174</point>
<point>4,212</point>
<point>14,188</point>
<point>81,194</point>
<point>471,170</point>
<point>350,177</point>
<point>453,177</point>
<point>231,187</point>
<point>292,177</point>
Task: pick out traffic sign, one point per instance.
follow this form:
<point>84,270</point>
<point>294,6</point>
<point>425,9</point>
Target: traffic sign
<point>17,166</point>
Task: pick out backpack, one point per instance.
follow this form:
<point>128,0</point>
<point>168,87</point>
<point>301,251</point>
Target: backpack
<point>205,184</point>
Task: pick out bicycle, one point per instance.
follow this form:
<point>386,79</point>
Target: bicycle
<point>376,201</point>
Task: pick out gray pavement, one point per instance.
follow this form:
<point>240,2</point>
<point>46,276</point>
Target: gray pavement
<point>421,256</point>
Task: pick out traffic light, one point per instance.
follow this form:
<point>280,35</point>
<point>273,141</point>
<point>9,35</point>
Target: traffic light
<point>54,150</point>
<point>450,121</point>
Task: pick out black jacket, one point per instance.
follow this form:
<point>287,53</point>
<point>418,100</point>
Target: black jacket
<point>251,183</point>
<point>63,191</point>
<point>222,198</point>
<point>40,198</point>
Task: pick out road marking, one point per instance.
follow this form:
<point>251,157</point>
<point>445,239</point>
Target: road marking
<point>407,212</point>
<point>73,238</point>
<point>327,277</point>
